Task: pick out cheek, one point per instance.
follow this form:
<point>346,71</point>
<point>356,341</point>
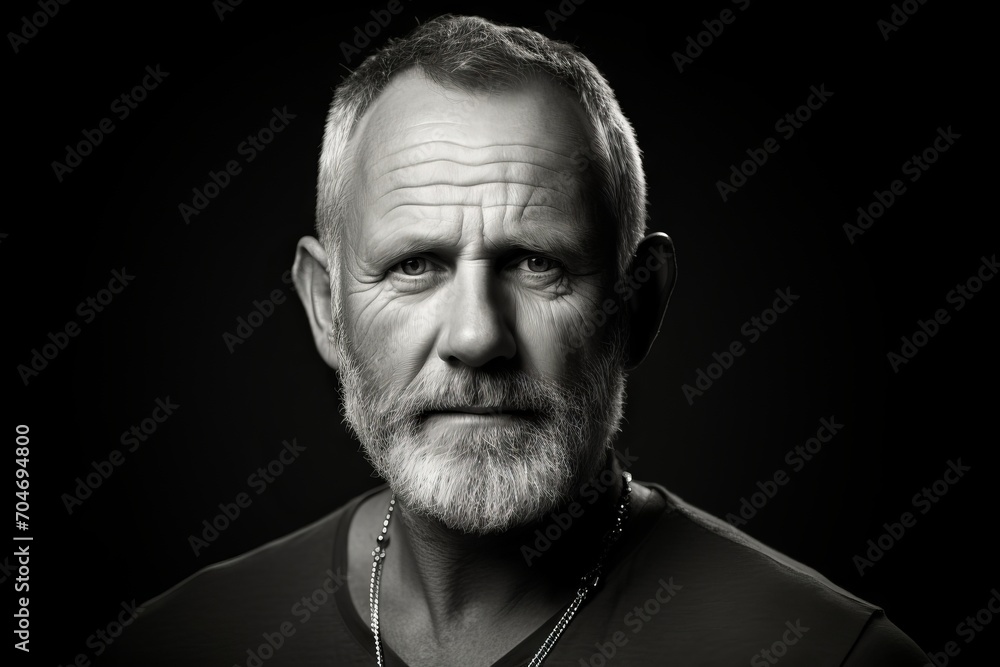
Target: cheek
<point>552,334</point>
<point>396,337</point>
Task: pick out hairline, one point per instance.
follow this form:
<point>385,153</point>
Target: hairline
<point>622,189</point>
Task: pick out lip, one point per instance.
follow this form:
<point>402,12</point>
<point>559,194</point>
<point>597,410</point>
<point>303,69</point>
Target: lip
<point>476,410</point>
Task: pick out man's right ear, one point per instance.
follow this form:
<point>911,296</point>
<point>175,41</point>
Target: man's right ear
<point>312,281</point>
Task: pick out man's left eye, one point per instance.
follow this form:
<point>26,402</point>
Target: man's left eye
<point>413,266</point>
<point>539,264</point>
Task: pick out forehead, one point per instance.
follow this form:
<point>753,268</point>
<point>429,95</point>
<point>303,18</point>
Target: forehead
<point>414,110</point>
<point>425,152</point>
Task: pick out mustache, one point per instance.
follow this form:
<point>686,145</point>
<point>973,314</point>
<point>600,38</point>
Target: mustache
<point>509,391</point>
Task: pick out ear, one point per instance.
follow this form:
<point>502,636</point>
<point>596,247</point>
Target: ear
<point>312,282</point>
<point>647,289</point>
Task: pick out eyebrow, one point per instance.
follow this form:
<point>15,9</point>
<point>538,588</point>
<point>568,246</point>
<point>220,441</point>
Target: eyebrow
<point>560,238</point>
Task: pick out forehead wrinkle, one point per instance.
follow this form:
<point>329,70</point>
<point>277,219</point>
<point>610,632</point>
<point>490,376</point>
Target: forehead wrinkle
<point>411,126</point>
<point>483,196</point>
<point>485,207</point>
<point>422,235</point>
<point>564,238</point>
<point>466,164</point>
<point>505,182</point>
<point>445,150</point>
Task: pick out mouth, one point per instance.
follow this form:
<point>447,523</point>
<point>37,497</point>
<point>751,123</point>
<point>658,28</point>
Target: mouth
<point>479,411</point>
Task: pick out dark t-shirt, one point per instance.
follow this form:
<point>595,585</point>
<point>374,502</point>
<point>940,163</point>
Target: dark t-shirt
<point>684,589</point>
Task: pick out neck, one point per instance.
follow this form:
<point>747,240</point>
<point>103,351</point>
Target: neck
<point>456,576</point>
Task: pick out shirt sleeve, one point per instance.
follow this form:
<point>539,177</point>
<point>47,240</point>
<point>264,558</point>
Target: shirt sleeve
<point>882,644</point>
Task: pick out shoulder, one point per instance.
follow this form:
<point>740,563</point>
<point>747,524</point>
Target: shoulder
<point>227,607</point>
<point>730,597</point>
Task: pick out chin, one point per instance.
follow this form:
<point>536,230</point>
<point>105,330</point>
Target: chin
<point>489,481</point>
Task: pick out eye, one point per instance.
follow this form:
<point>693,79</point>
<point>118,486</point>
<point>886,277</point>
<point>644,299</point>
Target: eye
<point>539,264</point>
<point>412,266</point>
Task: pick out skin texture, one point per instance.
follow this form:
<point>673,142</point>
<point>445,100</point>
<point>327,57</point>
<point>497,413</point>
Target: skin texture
<point>476,244</point>
<point>481,187</point>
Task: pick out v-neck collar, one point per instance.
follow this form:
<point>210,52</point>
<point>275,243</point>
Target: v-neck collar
<point>519,655</point>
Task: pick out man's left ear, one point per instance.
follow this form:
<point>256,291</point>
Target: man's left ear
<point>647,289</point>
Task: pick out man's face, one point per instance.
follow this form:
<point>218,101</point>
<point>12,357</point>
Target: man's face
<point>473,264</point>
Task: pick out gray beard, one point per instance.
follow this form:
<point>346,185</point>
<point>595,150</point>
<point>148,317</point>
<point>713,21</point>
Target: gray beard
<point>486,479</point>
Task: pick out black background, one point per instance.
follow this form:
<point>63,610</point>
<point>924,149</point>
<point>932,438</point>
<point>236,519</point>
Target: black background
<point>162,336</point>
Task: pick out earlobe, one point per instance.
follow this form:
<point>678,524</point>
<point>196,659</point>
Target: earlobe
<point>311,275</point>
<point>652,274</point>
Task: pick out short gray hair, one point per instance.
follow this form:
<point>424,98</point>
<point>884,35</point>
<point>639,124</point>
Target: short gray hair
<point>476,55</point>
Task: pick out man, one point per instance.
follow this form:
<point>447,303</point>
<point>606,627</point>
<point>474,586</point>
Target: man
<point>481,283</point>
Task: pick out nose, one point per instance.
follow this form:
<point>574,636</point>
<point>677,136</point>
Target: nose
<point>475,330</point>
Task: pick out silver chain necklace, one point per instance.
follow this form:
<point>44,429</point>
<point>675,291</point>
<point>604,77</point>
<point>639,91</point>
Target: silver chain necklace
<point>588,582</point>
